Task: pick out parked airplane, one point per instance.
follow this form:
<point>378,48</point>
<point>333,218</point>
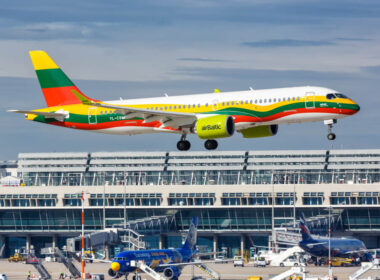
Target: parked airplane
<point>340,247</point>
<point>168,261</point>
<point>253,113</point>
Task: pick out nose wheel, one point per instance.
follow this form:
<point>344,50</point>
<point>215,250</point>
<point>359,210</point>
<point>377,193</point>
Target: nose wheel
<point>330,134</point>
<point>211,144</point>
<point>183,144</point>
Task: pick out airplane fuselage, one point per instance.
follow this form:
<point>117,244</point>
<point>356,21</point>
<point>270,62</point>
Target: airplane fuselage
<point>340,247</point>
<point>248,109</point>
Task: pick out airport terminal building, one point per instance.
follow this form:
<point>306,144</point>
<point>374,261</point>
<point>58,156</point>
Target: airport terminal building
<point>239,196</point>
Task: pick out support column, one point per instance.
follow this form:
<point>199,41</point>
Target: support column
<point>242,244</point>
<point>54,241</point>
<point>161,241</point>
<point>215,244</point>
<point>27,245</point>
<point>2,245</point>
<point>106,252</point>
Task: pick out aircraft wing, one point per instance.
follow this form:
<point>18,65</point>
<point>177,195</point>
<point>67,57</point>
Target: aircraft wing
<point>193,263</point>
<point>172,119</point>
<point>59,116</point>
<point>311,245</point>
<point>98,260</point>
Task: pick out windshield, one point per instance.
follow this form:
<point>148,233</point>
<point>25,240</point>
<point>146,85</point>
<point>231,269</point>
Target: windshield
<point>335,95</point>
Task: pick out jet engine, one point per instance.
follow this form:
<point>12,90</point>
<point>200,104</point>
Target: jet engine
<point>114,274</point>
<point>260,131</point>
<point>172,272</point>
<point>215,127</point>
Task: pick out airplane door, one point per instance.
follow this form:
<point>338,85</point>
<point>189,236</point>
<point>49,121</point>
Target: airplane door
<point>215,103</point>
<point>310,100</point>
<point>92,118</point>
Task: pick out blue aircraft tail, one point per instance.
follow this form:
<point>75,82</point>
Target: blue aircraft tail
<point>305,232</point>
<point>191,239</point>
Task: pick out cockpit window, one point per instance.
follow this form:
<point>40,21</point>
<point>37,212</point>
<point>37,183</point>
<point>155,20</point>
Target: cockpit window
<point>330,96</point>
<point>339,95</point>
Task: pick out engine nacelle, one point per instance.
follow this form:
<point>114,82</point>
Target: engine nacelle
<point>215,127</point>
<point>260,131</point>
<point>113,274</point>
<point>172,272</point>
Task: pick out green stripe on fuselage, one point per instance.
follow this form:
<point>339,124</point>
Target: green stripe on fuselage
<point>77,118</point>
<point>52,78</point>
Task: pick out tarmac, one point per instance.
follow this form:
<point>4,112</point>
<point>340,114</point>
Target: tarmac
<point>227,271</point>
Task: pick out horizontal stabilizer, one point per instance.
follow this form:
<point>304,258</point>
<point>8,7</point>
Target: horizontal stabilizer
<point>59,116</point>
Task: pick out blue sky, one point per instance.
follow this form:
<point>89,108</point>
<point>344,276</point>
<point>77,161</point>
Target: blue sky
<point>129,49</point>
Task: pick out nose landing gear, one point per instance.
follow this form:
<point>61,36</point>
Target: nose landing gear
<point>211,144</point>
<point>183,144</point>
<point>330,135</point>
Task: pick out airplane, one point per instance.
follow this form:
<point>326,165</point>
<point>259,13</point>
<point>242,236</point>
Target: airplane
<point>345,247</point>
<point>168,261</point>
<point>253,113</point>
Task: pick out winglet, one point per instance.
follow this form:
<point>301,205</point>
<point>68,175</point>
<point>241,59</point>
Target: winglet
<point>216,90</point>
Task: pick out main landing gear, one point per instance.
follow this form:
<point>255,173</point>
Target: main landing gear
<point>183,144</point>
<point>211,144</point>
<point>330,135</point>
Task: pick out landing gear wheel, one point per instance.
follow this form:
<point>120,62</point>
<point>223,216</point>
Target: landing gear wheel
<point>331,136</point>
<point>183,145</point>
<point>211,144</point>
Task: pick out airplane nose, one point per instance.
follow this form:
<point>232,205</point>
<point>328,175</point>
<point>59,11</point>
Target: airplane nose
<point>357,107</point>
<point>115,266</point>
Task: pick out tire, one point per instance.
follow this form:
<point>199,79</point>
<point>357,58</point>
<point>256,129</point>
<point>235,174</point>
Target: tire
<point>296,264</point>
<point>211,144</point>
<point>183,145</point>
<point>282,265</point>
<point>331,136</point>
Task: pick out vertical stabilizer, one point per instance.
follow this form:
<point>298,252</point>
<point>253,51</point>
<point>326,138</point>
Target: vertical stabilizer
<point>191,239</point>
<point>305,232</point>
<point>57,88</point>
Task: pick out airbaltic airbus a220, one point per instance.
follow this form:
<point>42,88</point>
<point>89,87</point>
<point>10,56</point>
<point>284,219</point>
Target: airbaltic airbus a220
<point>253,113</point>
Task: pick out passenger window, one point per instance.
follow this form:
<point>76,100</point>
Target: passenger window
<point>255,101</point>
<point>265,100</point>
<point>232,102</point>
<point>288,98</point>
<point>260,101</point>
<point>166,107</point>
<point>199,105</point>
<point>246,102</point>
<point>330,96</point>
<point>294,98</point>
<point>274,99</point>
<point>222,103</point>
<point>161,108</point>
<point>101,112</point>
<point>298,98</point>
<point>170,107</point>
<point>270,100</point>
<point>193,105</point>
<point>250,101</point>
<point>175,107</point>
<point>206,104</point>
<point>228,103</point>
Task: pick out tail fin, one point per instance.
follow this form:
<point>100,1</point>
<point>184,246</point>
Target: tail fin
<point>57,88</point>
<point>305,232</point>
<point>191,239</point>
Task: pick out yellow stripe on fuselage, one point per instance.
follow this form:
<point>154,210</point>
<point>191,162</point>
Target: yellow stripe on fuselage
<point>82,109</point>
<point>42,61</point>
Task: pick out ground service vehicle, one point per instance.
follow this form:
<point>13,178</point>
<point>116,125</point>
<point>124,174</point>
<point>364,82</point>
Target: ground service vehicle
<point>17,257</point>
<point>238,261</point>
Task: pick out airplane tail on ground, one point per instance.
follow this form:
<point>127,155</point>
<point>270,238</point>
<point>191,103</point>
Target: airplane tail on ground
<point>57,88</point>
<point>305,232</point>
<point>191,239</point>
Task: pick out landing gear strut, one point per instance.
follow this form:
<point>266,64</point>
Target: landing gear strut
<point>211,144</point>
<point>183,144</point>
<point>330,135</point>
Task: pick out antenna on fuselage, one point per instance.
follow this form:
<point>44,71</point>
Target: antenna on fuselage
<point>250,88</point>
<point>166,95</point>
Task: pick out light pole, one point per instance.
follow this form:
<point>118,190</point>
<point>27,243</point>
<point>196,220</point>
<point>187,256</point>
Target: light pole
<point>83,274</point>
<point>294,200</point>
<point>330,268</point>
